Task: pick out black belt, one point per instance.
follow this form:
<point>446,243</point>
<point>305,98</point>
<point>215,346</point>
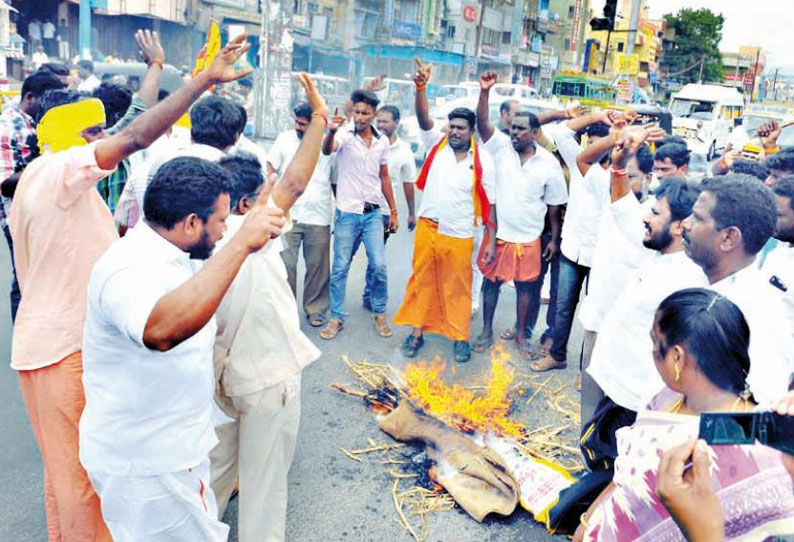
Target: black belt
<point>370,207</point>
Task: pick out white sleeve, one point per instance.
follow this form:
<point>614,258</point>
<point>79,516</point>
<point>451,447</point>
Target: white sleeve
<point>343,135</point>
<point>431,137</point>
<point>628,214</point>
<point>567,146</point>
<point>488,176</point>
<point>556,192</point>
<point>408,169</point>
<point>276,155</point>
<point>496,143</point>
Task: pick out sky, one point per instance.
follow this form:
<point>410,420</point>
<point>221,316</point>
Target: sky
<point>768,23</point>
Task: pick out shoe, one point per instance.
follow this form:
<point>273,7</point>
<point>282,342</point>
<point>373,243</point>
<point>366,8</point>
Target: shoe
<point>332,329</point>
<point>462,351</point>
<point>548,364</point>
<point>382,325</point>
<point>411,345</point>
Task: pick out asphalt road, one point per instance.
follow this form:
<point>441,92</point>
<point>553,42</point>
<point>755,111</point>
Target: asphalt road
<point>331,497</point>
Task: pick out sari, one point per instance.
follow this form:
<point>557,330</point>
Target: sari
<point>751,483</point>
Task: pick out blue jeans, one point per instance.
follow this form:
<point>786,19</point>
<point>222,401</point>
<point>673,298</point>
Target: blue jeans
<point>350,230</point>
<point>537,286</point>
<point>572,277</point>
<point>369,277</point>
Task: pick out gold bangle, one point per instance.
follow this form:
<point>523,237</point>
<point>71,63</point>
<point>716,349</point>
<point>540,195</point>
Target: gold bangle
<point>773,150</point>
<point>155,63</point>
<point>583,519</point>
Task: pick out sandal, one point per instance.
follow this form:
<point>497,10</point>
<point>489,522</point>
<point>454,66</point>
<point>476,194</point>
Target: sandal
<point>317,320</point>
<point>332,329</point>
<point>462,351</point>
<point>481,344</point>
<point>548,364</point>
<point>509,334</point>
<point>411,345</point>
<point>382,325</point>
<point>526,351</point>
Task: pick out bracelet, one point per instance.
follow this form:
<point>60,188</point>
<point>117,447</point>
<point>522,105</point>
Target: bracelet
<point>393,212</point>
<point>421,87</point>
<point>321,116</point>
<point>619,172</point>
<point>155,63</point>
<point>773,150</point>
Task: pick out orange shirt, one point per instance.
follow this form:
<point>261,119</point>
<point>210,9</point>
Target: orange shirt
<point>60,227</point>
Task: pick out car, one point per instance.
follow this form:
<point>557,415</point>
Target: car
<point>133,72</point>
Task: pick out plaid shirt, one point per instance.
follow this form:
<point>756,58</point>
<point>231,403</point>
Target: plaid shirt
<point>18,147</point>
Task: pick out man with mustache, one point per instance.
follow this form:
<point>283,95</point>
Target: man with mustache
<point>458,183</point>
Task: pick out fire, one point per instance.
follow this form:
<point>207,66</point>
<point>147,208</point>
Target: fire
<point>464,408</point>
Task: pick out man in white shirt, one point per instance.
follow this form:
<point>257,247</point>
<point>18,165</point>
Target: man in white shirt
<point>311,221</point>
<point>779,263</point>
<point>39,57</point>
<point>457,180</point>
<point>362,157</point>
<point>85,74</point>
<point>258,369</point>
<point>48,36</point>
<point>730,222</point>
<point>146,430</point>
<point>529,183</point>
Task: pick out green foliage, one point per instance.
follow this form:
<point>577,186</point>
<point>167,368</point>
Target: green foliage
<point>698,33</point>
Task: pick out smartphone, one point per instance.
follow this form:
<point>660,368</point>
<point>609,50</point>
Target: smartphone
<point>768,428</point>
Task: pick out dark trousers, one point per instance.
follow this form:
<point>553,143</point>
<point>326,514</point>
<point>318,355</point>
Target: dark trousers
<point>537,286</point>
<point>15,295</point>
<point>316,241</point>
<point>571,279</point>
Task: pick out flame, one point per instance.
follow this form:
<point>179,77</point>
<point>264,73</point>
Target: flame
<point>461,407</point>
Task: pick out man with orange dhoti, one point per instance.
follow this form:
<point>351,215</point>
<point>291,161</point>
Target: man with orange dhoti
<point>529,182</point>
<point>457,180</point>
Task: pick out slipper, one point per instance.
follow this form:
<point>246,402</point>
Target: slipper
<point>462,351</point>
<point>481,344</point>
<point>509,334</point>
<point>548,364</point>
<point>332,329</point>
<point>411,346</point>
<point>526,351</point>
<point>382,325</point>
<point>317,320</point>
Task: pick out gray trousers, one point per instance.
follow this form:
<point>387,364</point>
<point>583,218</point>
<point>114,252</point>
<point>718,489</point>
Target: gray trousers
<point>591,392</point>
<point>316,241</point>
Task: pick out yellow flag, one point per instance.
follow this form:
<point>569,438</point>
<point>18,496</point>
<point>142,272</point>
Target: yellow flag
<point>210,49</point>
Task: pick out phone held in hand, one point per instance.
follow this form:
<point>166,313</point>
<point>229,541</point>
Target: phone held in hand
<point>768,428</point>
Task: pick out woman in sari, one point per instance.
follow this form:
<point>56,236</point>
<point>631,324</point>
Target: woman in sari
<point>700,349</point>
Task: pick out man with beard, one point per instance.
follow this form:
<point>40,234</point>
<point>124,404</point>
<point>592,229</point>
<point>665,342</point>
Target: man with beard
<point>311,221</point>
<point>146,430</point>
<point>622,360</point>
<point>529,183</point>
<point>458,183</point>
<point>362,157</point>
<point>780,261</point>
<point>734,216</point>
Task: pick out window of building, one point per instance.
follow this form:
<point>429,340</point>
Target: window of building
<point>567,44</point>
<point>620,46</point>
<point>506,38</point>
<point>571,10</point>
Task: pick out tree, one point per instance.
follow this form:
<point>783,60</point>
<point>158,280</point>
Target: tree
<point>698,33</point>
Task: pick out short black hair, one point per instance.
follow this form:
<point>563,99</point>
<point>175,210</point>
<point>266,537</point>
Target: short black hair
<point>116,99</point>
<point>463,113</point>
<point>54,98</point>
<point>532,119</point>
<point>183,186</point>
<point>782,161</point>
<point>678,140</point>
<point>505,106</point>
<point>393,110</point>
<point>598,129</point>
<point>785,188</point>
<point>245,172</point>
<point>750,167</point>
<point>303,110</point>
<point>676,152</point>
<point>243,118</point>
<point>56,68</point>
<point>86,65</point>
<point>743,202</point>
<point>215,121</point>
<point>645,159</point>
<point>39,82</point>
<point>680,194</point>
<point>365,96</point>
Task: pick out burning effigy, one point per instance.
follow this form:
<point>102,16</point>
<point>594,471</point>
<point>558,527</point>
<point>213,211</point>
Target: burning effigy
<point>472,452</point>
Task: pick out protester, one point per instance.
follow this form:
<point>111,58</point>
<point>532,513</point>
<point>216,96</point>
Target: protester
<point>362,155</point>
<point>507,111</point>
<point>39,58</point>
<point>779,263</point>
<point>259,370</point>
<point>59,70</point>
<point>529,183</point>
<point>700,349</point>
<point>18,147</point>
<point>457,180</point>
<point>733,218</point>
<point>671,159</point>
<point>780,165</point>
<point>311,221</point>
<point>86,80</point>
<point>60,227</point>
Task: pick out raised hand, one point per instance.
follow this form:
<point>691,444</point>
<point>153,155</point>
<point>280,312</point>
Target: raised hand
<point>316,101</point>
<point>575,111</point>
<point>262,222</point>
<point>378,83</point>
<point>488,80</point>
<point>337,121</point>
<point>629,142</point>
<point>222,68</point>
<point>150,48</point>
<point>654,133</point>
<point>769,132</point>
<point>423,73</point>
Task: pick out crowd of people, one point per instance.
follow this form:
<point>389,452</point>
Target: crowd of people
<point>157,331</point>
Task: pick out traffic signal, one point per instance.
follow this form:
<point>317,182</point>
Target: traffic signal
<point>607,21</point>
